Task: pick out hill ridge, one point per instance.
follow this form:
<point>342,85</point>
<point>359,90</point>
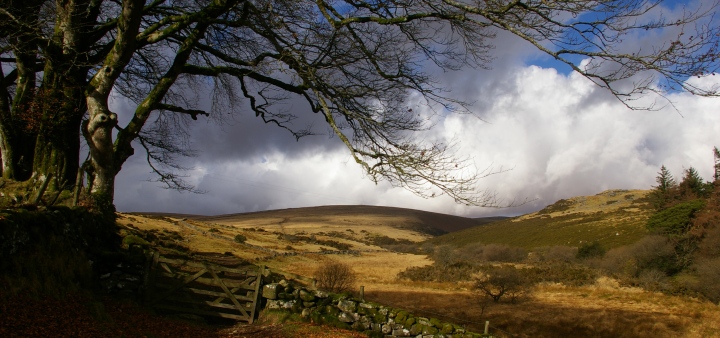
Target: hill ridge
<point>613,217</point>
<point>429,222</point>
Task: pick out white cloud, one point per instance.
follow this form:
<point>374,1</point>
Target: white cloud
<point>561,135</point>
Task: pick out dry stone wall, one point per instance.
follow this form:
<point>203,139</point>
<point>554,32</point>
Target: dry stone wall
<point>346,312</point>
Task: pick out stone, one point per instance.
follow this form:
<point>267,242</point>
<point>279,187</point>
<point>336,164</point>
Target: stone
<point>376,326</point>
<point>383,311</point>
<point>346,317</point>
<point>401,333</point>
<point>271,291</point>
<point>306,313</point>
<point>306,296</point>
<point>366,305</point>
<point>401,316</point>
<point>308,304</point>
<point>436,322</point>
<point>386,329</point>
<point>347,306</point>
<point>274,304</point>
<point>424,321</point>
<point>289,304</point>
<point>429,330</point>
<point>447,329</point>
<point>321,294</point>
<point>331,310</point>
<point>410,322</point>
<point>416,329</point>
<point>358,326</point>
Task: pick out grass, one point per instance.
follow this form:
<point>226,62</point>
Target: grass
<point>568,222</point>
<point>603,309</point>
<point>559,311</point>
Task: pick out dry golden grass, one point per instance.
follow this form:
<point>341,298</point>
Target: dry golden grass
<point>606,202</point>
<point>372,269</point>
<point>601,310</point>
<point>557,311</point>
<point>614,218</point>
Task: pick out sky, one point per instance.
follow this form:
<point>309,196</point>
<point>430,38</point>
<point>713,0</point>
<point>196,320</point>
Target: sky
<point>553,133</point>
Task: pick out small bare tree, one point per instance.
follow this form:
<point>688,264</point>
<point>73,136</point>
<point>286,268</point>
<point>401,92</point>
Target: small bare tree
<point>502,281</point>
<point>335,277</point>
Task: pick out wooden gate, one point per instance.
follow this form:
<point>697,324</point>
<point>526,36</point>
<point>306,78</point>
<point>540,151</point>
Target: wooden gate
<point>202,288</point>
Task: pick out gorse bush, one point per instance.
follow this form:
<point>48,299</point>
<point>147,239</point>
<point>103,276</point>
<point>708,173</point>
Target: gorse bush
<point>500,253</point>
<point>653,252</point>
<point>676,219</point>
<point>557,253</point>
<point>590,250</point>
<point>434,273</point>
<point>240,238</point>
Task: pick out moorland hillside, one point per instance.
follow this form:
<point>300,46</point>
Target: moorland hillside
<point>613,218</point>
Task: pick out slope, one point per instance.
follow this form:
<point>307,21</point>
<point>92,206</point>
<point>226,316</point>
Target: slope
<point>425,222</point>
<point>613,217</point>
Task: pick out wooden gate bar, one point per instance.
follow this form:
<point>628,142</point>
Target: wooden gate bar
<point>201,288</point>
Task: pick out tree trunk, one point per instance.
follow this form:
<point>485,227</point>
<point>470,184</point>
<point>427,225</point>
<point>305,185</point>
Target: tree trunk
<point>16,152</point>
<point>98,133</point>
<point>63,106</point>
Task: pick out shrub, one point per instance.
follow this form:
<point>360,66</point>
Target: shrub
<point>433,273</point>
<point>492,253</point>
<point>652,252</point>
<point>676,219</point>
<point>335,277</point>
<point>559,253</point>
<point>502,281</point>
<point>565,273</point>
<point>590,250</point>
<point>443,256</point>
<point>503,253</point>
<point>240,238</point>
<point>708,273</point>
<point>652,279</point>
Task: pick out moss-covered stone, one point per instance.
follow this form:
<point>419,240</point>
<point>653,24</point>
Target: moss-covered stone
<point>436,322</point>
<point>379,318</point>
<point>332,310</point>
<point>447,329</point>
<point>416,329</point>
<point>410,322</point>
<point>271,291</point>
<point>401,316</point>
<point>347,306</point>
<point>129,240</point>
<point>306,296</point>
<point>429,330</point>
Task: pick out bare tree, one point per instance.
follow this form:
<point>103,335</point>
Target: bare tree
<point>335,277</point>
<point>354,63</point>
<point>504,281</point>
